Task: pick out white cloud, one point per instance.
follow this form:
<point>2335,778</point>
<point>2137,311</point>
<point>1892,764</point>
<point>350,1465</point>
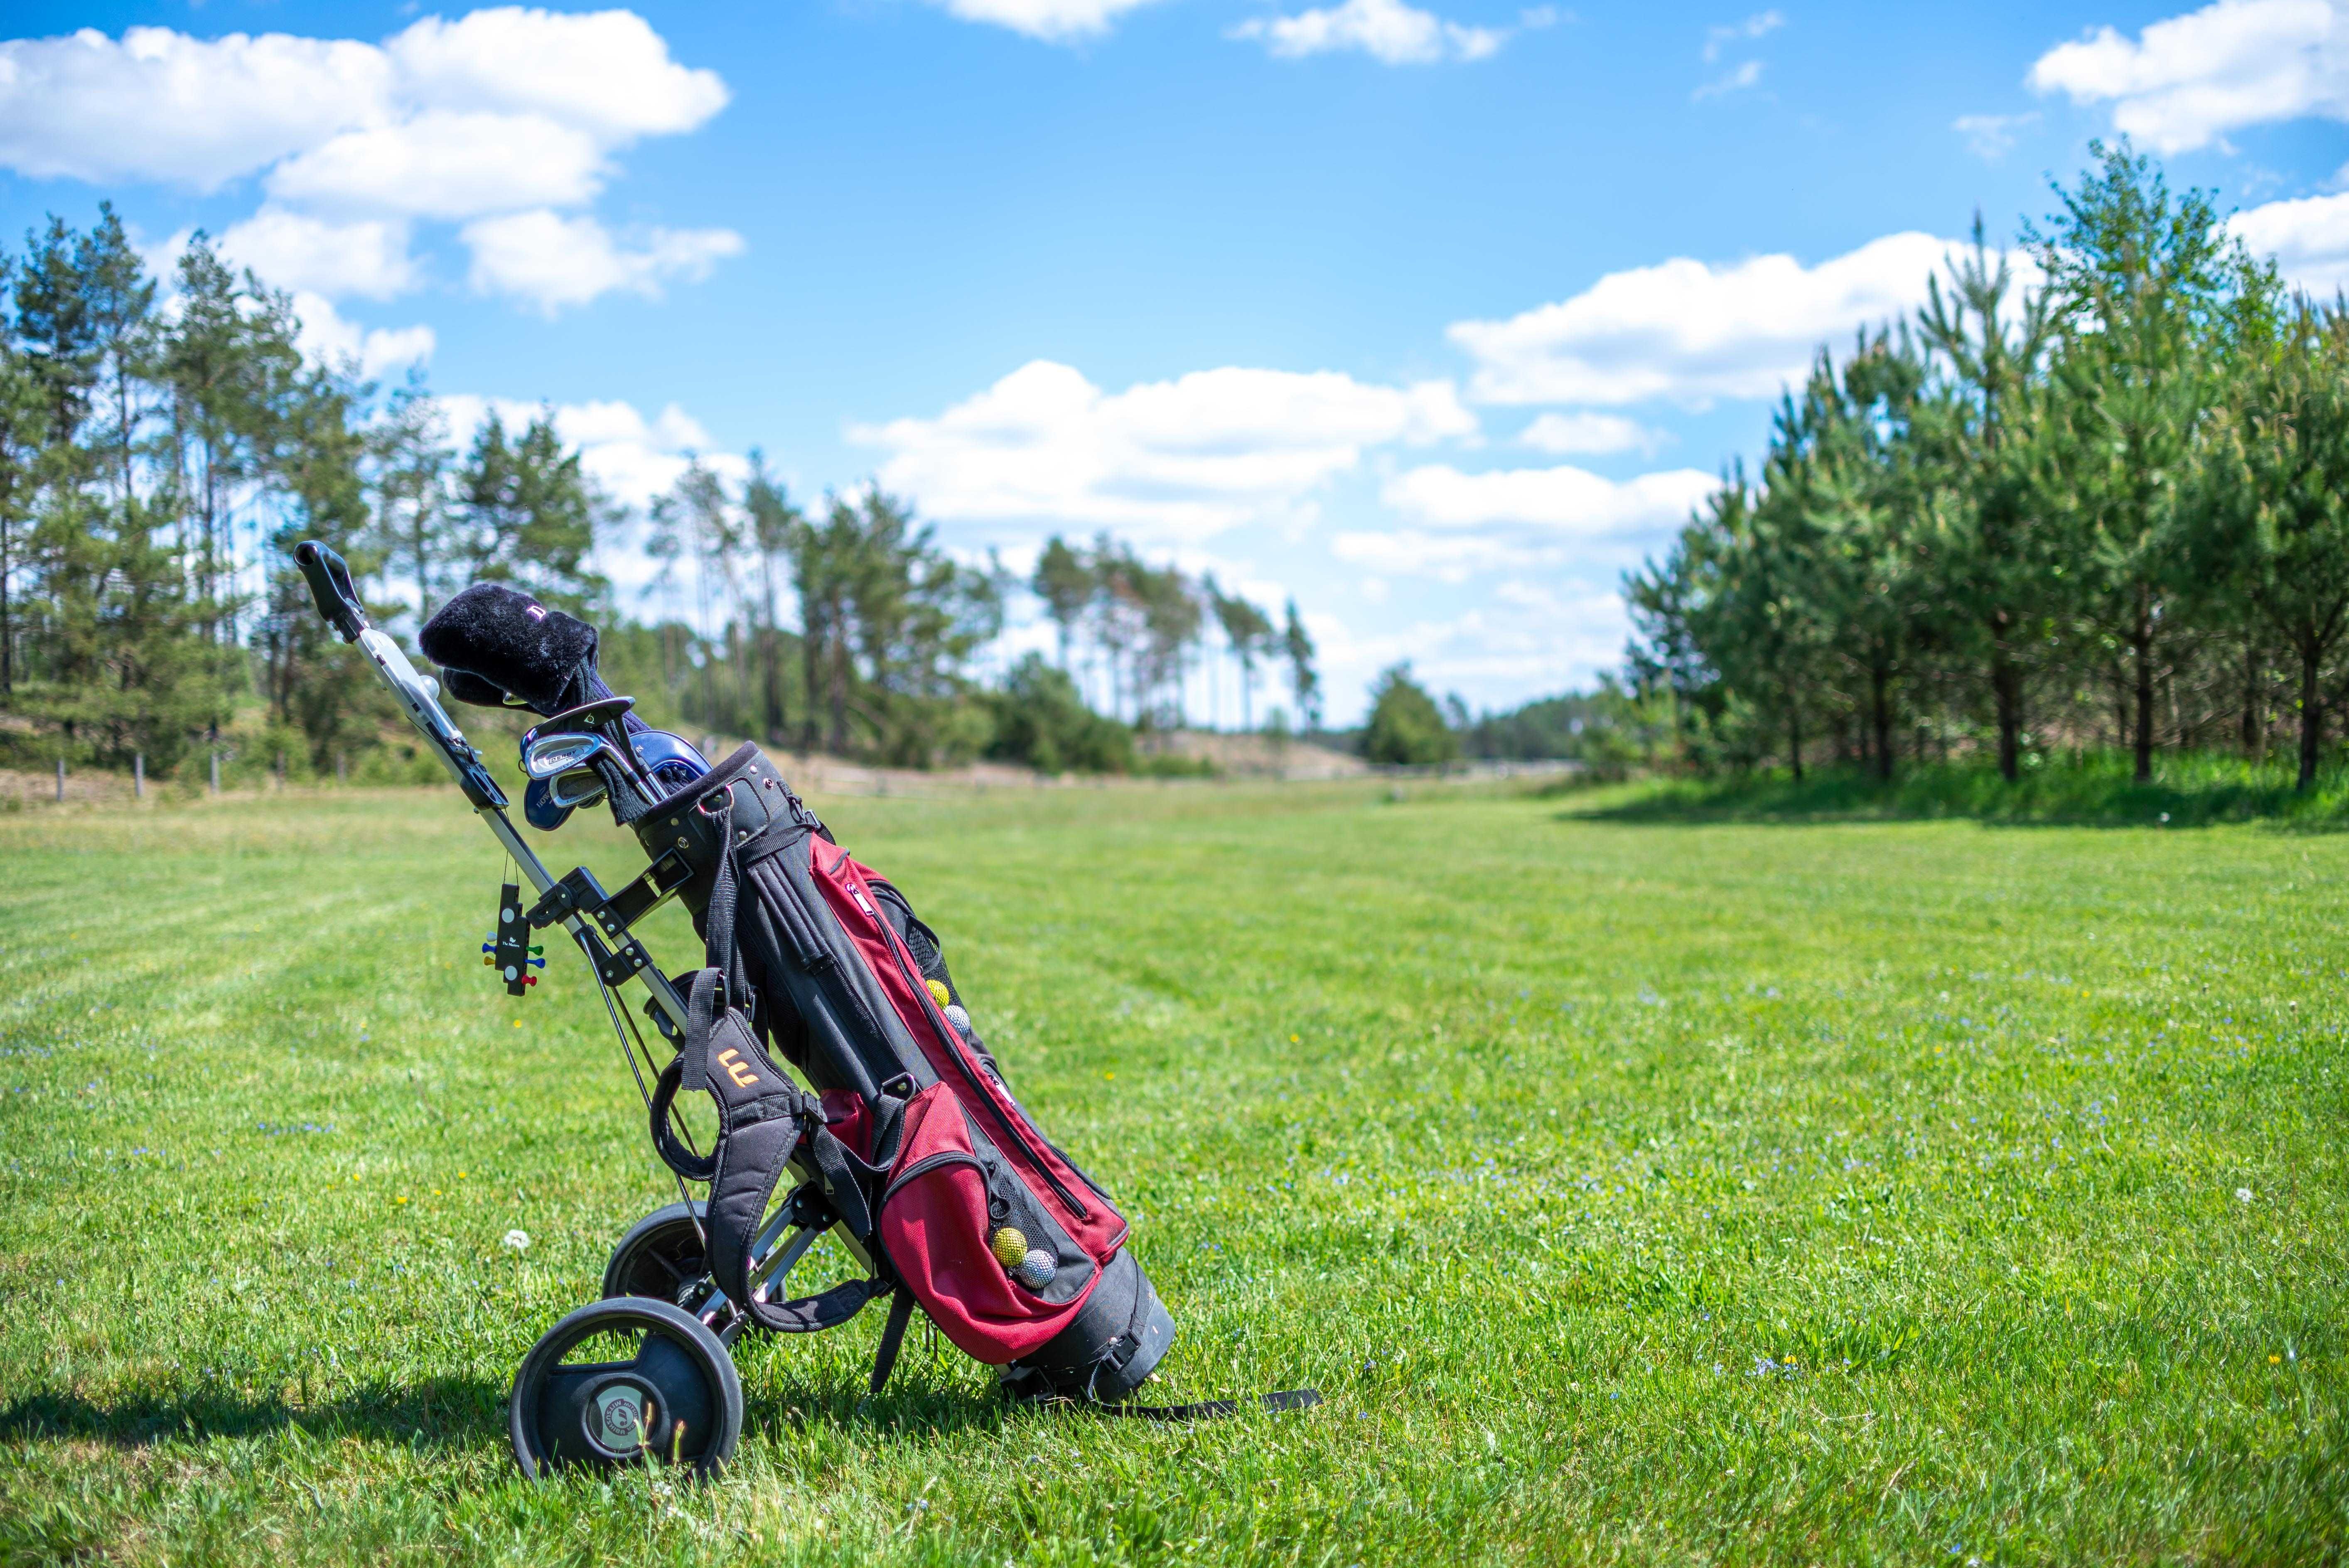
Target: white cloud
<point>1164,460</point>
<point>1991,135</point>
<point>1595,433</point>
<point>447,164</point>
<point>548,261</point>
<point>1054,21</point>
<point>1518,521</point>
<point>2309,239</point>
<point>294,251</point>
<point>632,459</point>
<point>1527,640</point>
<point>606,71</point>
<point>2185,82</point>
<point>327,336</point>
<point>1561,502</point>
<point>1759,24</point>
<point>1736,80</point>
<point>1386,30</point>
<point>505,111</point>
<point>160,105</point>
<point>1691,332</point>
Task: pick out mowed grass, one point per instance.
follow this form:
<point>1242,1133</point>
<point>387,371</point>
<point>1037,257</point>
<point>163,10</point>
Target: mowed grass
<point>1914,1192</point>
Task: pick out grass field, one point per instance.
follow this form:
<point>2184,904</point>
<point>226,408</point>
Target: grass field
<point>1636,1190</point>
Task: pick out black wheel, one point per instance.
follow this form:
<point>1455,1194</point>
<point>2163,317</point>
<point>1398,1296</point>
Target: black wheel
<point>663,1256</point>
<point>664,1387</point>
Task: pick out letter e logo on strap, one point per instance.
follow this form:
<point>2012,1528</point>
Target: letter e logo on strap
<point>736,1067</point>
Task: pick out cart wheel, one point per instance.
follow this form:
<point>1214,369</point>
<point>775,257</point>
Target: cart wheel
<point>675,1396</point>
<point>662,1256</point>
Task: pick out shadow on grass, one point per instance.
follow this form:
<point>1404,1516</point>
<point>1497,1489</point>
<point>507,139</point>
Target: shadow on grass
<point>441,1412</point>
<point>459,1413</point>
<point>2185,792</point>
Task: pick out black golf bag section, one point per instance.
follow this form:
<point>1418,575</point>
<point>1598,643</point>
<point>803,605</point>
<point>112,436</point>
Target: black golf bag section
<point>919,1146</point>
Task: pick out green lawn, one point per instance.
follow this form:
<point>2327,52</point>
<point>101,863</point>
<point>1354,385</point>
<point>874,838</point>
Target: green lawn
<point>1636,1190</point>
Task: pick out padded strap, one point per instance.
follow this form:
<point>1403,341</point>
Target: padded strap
<point>677,1156</point>
<point>1216,1410</point>
<point>725,899</point>
<point>814,1313</point>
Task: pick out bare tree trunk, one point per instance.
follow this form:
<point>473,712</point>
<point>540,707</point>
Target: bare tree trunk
<point>1795,735</point>
<point>773,720</point>
<point>7,625</point>
<point>2254,732</point>
<point>2141,647</point>
<point>839,696</point>
<point>811,635</point>
<point>2006,685</point>
<point>2312,714</point>
<point>1880,710</point>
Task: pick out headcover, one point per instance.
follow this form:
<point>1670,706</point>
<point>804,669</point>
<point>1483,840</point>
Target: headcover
<point>510,643</point>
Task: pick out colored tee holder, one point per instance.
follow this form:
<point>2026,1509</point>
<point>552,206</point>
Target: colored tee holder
<point>509,950</point>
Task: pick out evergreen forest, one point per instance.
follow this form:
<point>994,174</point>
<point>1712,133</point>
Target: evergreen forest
<point>2092,498</point>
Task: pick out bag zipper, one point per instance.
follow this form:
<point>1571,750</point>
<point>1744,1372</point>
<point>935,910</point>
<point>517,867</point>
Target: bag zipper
<point>922,1167</point>
<point>939,1027</point>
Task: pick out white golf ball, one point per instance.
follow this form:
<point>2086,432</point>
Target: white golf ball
<point>957,1017</point>
<point>1036,1269</point>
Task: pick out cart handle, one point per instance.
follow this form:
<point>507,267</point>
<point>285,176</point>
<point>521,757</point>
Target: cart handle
<point>330,586</point>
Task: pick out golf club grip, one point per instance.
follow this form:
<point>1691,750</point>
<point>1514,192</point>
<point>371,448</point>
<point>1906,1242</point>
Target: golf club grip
<point>330,586</point>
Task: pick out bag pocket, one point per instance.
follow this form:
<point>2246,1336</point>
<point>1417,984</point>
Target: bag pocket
<point>949,1196</point>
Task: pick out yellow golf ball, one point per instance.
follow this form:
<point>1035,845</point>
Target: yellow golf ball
<point>1010,1247</point>
<point>938,990</point>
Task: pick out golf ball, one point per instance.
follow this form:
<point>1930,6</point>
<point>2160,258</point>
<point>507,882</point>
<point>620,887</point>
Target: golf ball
<point>938,990</point>
<point>958,1018</point>
<point>1010,1247</point>
<point>1036,1269</point>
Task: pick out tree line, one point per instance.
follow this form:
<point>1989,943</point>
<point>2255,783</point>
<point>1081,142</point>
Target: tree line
<point>161,450</point>
<point>2093,494</point>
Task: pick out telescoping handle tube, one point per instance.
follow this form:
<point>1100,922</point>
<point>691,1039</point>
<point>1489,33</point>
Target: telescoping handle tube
<point>338,601</point>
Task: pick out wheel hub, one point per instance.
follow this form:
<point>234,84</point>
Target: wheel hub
<point>619,1417</point>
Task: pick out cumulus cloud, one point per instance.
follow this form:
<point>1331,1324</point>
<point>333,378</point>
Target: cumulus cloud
<point>1692,332</point>
<point>1167,461</point>
<point>1562,503</point>
<point>631,457</point>
<point>1565,434</point>
<point>1052,21</point>
<point>368,259</point>
<point>2186,82</point>
<point>1526,640</point>
<point>447,164</point>
<point>1386,30</point>
<point>502,112</point>
<point>1458,525</point>
<point>158,105</point>
<point>2309,239</point>
<point>548,261</point>
<point>327,337</point>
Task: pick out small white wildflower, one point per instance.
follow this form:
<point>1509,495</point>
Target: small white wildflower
<point>520,1240</point>
<point>2243,1194</point>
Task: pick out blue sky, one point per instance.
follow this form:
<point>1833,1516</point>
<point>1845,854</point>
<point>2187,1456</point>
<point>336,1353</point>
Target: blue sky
<point>1435,318</point>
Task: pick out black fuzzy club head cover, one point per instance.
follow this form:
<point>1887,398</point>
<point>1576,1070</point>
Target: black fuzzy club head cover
<point>511,643</point>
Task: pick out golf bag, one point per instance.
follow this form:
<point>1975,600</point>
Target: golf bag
<point>921,1151</point>
<point>920,1147</point>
